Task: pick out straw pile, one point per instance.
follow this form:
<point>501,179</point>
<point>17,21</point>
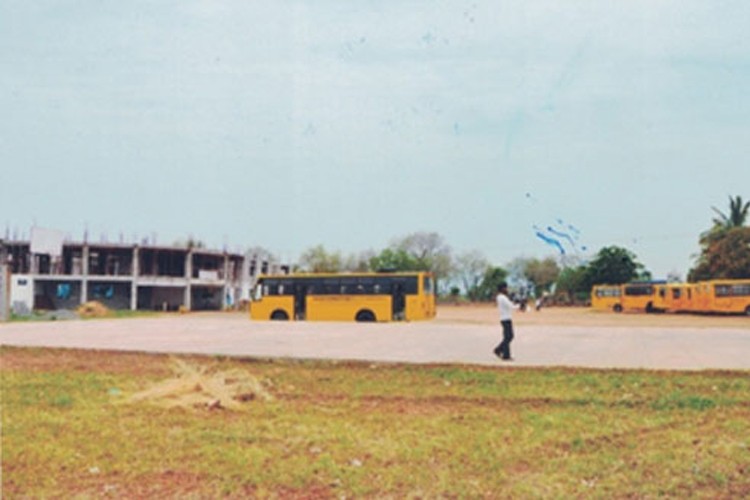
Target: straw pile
<point>92,309</point>
<point>202,387</point>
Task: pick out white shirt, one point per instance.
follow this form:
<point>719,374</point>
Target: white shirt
<point>505,306</point>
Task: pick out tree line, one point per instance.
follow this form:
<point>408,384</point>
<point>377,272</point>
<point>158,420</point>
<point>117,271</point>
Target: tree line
<point>725,253</point>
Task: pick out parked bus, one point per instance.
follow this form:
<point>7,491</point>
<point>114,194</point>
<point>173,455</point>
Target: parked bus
<point>381,297</point>
<point>607,297</point>
<point>676,297</point>
<point>724,296</point>
<point>715,296</point>
<point>641,296</point>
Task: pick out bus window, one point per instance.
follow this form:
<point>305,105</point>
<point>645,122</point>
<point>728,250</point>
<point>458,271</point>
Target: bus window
<point>347,286</point>
<point>382,285</point>
<point>637,290</point>
<point>330,286</point>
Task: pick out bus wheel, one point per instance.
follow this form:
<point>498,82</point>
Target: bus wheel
<point>617,308</point>
<point>365,316</point>
<point>279,315</point>
<point>747,311</point>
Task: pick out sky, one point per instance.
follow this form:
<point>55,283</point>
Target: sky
<point>515,128</point>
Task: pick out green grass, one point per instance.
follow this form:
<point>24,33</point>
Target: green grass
<point>334,429</point>
<point>66,315</point>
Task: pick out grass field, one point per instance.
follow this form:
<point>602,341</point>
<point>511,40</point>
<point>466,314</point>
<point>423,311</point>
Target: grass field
<point>89,424</point>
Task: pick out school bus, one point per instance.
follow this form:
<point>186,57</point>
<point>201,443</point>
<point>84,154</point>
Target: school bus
<point>676,297</point>
<point>661,297</point>
<point>724,296</point>
<point>701,301</point>
<point>397,296</point>
<point>643,296</point>
<point>607,297</point>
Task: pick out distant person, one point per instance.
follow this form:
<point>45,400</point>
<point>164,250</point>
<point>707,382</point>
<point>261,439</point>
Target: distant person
<point>505,307</point>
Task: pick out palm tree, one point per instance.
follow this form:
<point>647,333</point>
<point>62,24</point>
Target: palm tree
<point>738,213</point>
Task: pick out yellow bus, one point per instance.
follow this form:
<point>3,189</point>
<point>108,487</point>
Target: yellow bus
<point>400,296</point>
<point>641,296</point>
<point>701,300</point>
<point>607,297</point>
<point>676,297</point>
<point>724,296</point>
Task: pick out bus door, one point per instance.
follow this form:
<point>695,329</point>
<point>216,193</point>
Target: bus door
<point>300,301</point>
<point>398,300</point>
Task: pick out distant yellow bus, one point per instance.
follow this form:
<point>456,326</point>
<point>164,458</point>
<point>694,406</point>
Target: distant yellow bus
<point>724,296</point>
<point>728,296</point>
<point>606,297</point>
<point>640,297</point>
<point>676,297</point>
<point>401,296</point>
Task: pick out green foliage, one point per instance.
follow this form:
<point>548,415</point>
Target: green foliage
<point>428,251</point>
<point>614,265</point>
<point>725,248</point>
<point>573,282</point>
<point>318,260</point>
<point>397,260</point>
<point>542,274</point>
<point>487,288</point>
<point>469,268</point>
<point>737,216</point>
<point>726,254</point>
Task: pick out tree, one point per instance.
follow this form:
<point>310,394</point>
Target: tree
<point>614,265</point>
<point>395,260</point>
<point>736,217</point>
<point>358,262</point>
<point>574,284</point>
<point>487,288</point>
<point>430,252</point>
<point>470,268</point>
<point>724,247</point>
<point>517,278</point>
<point>318,260</point>
<point>724,256</point>
<point>542,274</point>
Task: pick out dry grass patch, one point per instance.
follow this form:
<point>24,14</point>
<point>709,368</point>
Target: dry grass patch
<point>194,385</point>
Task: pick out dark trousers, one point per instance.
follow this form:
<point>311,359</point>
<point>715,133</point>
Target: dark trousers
<point>503,350</point>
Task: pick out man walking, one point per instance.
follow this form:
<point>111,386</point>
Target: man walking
<point>505,307</point>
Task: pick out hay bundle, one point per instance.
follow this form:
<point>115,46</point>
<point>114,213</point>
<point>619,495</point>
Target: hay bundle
<point>197,386</point>
<point>93,309</point>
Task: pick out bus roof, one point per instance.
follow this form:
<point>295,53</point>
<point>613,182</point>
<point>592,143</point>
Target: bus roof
<point>345,274</point>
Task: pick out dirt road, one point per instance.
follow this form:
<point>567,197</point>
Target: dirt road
<point>552,337</point>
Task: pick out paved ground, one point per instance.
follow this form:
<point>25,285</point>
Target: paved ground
<point>548,338</point>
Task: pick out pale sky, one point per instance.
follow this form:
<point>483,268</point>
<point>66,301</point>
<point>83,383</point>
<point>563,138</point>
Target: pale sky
<point>289,124</point>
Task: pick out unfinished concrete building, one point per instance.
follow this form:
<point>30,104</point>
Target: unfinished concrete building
<point>124,276</point>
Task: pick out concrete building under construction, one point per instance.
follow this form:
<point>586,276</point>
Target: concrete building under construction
<point>48,273</point>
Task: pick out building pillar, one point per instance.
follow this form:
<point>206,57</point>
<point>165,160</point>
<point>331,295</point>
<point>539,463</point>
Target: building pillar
<point>245,292</point>
<point>85,273</point>
<point>227,283</point>
<point>135,271</point>
<point>188,302</point>
<point>4,286</point>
